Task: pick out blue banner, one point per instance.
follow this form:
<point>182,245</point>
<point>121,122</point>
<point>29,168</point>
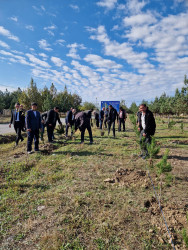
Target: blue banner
<point>106,104</point>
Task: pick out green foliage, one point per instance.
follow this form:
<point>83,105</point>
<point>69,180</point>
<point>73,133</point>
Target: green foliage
<point>133,108</point>
<point>61,129</point>
<point>152,148</point>
<point>134,122</point>
<point>87,106</point>
<point>185,237</point>
<point>171,124</point>
<point>163,165</point>
<point>182,127</point>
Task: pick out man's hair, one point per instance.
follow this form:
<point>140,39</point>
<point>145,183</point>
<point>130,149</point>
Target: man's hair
<point>33,104</point>
<point>17,103</point>
<point>56,107</point>
<point>143,104</point>
<point>110,106</point>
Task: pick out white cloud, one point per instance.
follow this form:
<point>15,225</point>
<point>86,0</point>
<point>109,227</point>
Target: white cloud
<point>50,28</point>
<point>98,61</point>
<point>121,51</point>
<point>139,19</point>
<point>8,34</point>
<point>109,4</point>
<point>135,6</point>
<point>57,61</point>
<point>3,44</point>
<point>74,7</point>
<point>73,50</point>
<point>43,55</point>
<point>37,61</point>
<point>60,42</point>
<point>43,44</point>
<point>14,18</point>
<point>29,27</point>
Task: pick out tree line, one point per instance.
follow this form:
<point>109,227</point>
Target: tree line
<point>49,98</point>
<point>168,105</point>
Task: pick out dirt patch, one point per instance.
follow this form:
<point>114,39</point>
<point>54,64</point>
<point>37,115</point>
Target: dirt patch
<point>47,148</point>
<point>175,217</point>
<point>7,138</point>
<point>130,177</point>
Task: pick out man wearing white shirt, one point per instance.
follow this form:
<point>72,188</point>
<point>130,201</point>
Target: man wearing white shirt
<point>147,126</point>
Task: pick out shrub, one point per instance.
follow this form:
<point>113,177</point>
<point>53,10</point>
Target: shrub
<point>163,165</point>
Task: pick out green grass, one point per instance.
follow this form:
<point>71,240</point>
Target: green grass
<point>60,200</point>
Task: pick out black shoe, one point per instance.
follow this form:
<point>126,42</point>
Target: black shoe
<point>82,142</point>
<point>140,155</point>
<point>16,144</point>
<point>91,142</point>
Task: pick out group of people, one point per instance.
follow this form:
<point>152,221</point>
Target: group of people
<point>32,121</point>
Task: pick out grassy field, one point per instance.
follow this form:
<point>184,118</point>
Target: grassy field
<point>72,196</point>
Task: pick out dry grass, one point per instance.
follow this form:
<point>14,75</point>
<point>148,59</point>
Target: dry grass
<point>60,201</point>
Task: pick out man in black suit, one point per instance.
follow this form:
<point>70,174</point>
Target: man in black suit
<point>147,126</point>
<point>51,119</point>
<point>111,119</point>
<point>17,119</point>
<point>33,124</point>
<point>101,117</point>
<point>96,114</point>
<point>82,121</point>
<point>69,120</point>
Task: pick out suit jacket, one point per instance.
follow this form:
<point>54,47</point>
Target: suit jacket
<point>33,122</point>
<point>68,118</point>
<point>52,118</point>
<point>21,118</point>
<point>112,115</point>
<point>81,121</point>
<point>101,115</point>
<point>149,121</point>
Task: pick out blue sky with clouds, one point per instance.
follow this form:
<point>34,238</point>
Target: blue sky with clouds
<point>104,49</point>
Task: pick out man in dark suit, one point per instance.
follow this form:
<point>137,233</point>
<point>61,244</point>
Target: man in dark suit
<point>69,120</point>
<point>96,114</point>
<point>121,119</point>
<point>82,121</point>
<point>147,126</point>
<point>33,124</point>
<point>101,117</point>
<point>51,119</point>
<point>111,119</point>
<point>17,119</point>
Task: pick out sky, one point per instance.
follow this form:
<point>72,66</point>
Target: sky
<point>100,49</point>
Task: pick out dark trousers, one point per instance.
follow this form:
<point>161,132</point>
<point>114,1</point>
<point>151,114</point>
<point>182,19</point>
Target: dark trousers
<point>101,123</point>
<point>83,132</point>
<point>144,142</point>
<point>50,132</point>
<point>97,123</point>
<point>121,121</point>
<point>105,122</point>
<point>18,129</point>
<point>67,129</point>
<point>111,123</point>
<point>30,135</point>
